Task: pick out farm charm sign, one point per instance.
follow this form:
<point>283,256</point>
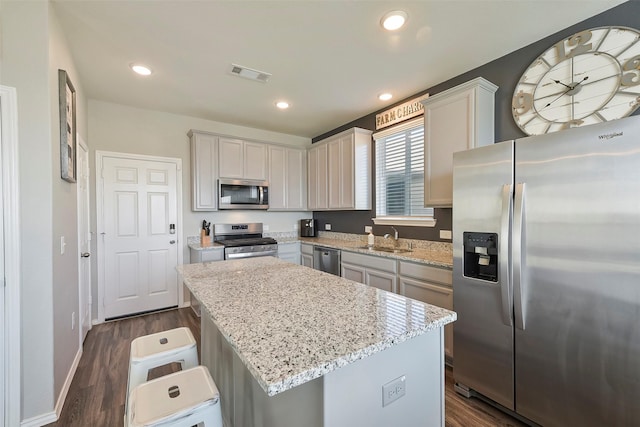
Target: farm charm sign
<point>400,113</point>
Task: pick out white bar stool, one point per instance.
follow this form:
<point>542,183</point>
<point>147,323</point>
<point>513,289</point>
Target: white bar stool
<point>151,351</point>
<point>181,399</point>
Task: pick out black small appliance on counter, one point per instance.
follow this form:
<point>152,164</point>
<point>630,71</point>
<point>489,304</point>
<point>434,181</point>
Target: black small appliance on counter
<point>308,227</point>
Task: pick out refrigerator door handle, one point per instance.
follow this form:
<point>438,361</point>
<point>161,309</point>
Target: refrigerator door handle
<point>505,276</point>
<point>519,287</point>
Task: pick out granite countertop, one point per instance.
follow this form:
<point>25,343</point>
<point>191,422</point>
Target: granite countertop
<point>199,247</point>
<point>437,254</point>
<point>290,324</point>
<point>430,253</point>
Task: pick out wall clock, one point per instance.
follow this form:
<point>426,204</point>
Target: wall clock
<point>591,77</point>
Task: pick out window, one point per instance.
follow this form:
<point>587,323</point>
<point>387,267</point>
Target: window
<point>400,176</point>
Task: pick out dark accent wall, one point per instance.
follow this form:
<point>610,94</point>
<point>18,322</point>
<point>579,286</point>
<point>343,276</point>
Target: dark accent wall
<point>503,72</point>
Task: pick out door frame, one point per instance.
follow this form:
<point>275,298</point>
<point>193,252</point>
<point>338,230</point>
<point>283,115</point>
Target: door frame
<point>84,293</point>
<point>100,155</point>
<point>11,217</point>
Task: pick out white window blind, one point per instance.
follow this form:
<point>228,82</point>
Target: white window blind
<point>400,173</point>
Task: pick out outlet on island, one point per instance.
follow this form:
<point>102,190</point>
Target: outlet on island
<point>393,390</point>
<point>327,227</point>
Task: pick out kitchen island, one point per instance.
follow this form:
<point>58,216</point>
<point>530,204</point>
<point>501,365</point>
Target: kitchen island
<point>291,346</point>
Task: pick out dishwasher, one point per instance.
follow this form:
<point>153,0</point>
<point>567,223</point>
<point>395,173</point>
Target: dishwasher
<point>326,259</point>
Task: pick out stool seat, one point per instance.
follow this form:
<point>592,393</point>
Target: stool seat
<point>162,343</point>
<point>159,349</point>
<point>184,398</point>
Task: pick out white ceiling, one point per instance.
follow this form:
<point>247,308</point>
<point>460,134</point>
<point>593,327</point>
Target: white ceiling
<point>329,59</point>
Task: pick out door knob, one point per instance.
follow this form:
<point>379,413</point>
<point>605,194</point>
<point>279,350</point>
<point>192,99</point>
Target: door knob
<point>172,241</point>
<point>85,254</point>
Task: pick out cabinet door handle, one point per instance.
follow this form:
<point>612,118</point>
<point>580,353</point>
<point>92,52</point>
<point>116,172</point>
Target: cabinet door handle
<point>172,241</point>
<point>85,255</point>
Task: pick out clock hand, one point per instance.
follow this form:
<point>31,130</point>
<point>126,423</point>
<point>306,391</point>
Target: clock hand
<point>559,96</point>
<point>573,87</point>
<point>579,83</point>
<point>559,82</point>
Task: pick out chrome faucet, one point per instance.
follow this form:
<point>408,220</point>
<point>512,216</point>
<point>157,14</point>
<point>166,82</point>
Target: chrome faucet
<point>395,236</point>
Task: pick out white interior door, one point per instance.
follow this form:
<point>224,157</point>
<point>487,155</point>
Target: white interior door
<point>84,240</point>
<point>139,205</point>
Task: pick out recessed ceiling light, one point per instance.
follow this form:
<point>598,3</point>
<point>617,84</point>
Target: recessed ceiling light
<point>385,96</point>
<point>394,20</point>
<point>283,105</point>
<point>141,69</point>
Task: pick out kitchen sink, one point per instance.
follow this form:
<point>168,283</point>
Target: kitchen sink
<point>385,249</point>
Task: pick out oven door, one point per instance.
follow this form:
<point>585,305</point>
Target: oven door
<point>238,252</point>
<point>242,194</point>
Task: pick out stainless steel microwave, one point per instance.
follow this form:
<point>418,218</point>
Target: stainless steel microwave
<point>243,194</point>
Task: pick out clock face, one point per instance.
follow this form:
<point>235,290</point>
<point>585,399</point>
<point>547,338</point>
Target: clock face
<point>591,77</point>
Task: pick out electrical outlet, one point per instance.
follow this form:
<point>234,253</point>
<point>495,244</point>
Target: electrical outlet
<point>367,229</point>
<point>445,234</point>
<point>265,227</point>
<point>295,226</point>
<point>393,390</point>
<point>327,227</point>
<point>73,320</point>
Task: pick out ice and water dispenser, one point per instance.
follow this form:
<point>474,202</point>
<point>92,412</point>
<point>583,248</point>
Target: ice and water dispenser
<point>481,255</point>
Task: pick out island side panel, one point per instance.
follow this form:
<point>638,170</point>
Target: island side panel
<point>243,401</point>
<point>353,394</point>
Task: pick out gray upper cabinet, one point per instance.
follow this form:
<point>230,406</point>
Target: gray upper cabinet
<point>217,156</point>
<point>317,184</point>
<point>287,178</point>
<point>204,174</point>
<point>458,119</point>
<point>340,172</point>
<point>242,159</point>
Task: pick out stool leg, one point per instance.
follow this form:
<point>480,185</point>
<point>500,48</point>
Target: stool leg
<point>137,375</point>
<point>190,359</point>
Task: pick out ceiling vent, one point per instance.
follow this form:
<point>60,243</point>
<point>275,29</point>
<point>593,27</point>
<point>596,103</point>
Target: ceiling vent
<point>249,73</point>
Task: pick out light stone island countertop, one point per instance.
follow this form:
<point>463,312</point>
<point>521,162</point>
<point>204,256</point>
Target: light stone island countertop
<point>290,324</point>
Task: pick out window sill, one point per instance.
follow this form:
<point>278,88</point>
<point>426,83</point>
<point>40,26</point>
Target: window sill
<point>408,221</point>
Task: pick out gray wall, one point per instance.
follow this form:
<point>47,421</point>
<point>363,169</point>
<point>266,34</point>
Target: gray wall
<point>505,73</point>
<point>33,48</point>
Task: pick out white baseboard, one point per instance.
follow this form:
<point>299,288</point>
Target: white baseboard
<point>40,420</point>
<point>67,383</point>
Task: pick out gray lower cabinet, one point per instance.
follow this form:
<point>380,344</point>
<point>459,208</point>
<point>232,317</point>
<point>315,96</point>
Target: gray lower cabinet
<point>371,270</point>
<point>289,252</point>
<point>206,255</point>
<point>431,285</point>
<point>306,254</point>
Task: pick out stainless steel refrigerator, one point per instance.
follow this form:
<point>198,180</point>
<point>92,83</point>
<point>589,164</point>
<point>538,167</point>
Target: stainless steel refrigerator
<point>546,275</point>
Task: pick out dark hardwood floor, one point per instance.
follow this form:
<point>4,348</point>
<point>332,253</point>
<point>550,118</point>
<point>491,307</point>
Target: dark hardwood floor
<point>97,393</point>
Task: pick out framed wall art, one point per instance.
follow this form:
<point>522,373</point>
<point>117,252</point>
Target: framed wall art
<point>67,100</point>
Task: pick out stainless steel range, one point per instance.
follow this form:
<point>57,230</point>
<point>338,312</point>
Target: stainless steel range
<point>244,240</point>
